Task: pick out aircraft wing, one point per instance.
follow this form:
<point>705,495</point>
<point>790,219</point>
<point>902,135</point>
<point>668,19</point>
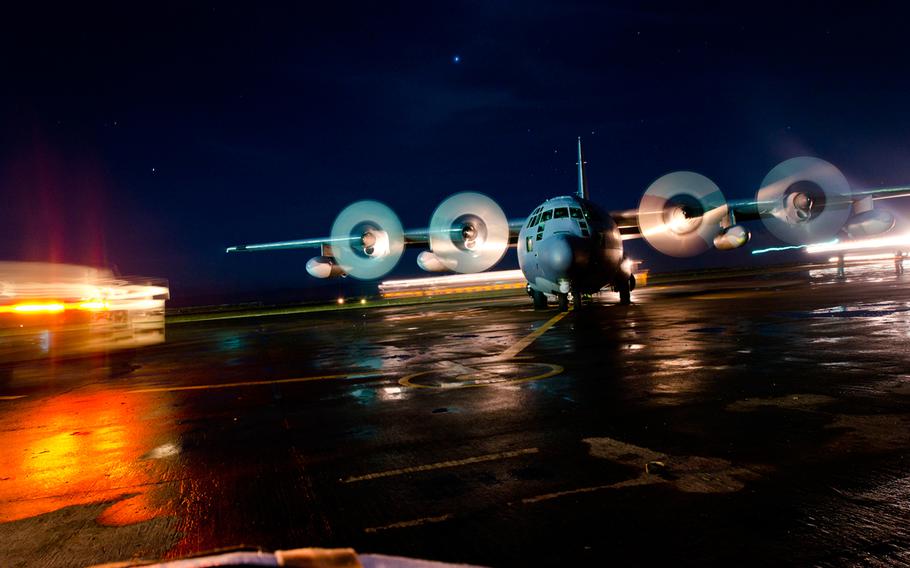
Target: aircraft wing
<point>883,193</point>
<point>802,201</point>
<point>416,238</point>
<point>627,221</point>
<point>412,238</point>
<point>753,210</point>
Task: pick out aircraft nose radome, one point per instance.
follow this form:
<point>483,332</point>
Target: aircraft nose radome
<point>557,255</point>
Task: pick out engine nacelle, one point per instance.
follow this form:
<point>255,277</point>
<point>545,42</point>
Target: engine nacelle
<point>323,267</point>
<point>428,261</point>
<point>869,223</point>
<point>732,238</point>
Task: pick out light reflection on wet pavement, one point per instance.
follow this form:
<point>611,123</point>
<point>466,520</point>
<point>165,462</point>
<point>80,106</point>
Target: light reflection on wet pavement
<point>768,416</point>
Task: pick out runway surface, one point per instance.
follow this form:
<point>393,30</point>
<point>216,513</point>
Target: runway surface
<point>760,420</point>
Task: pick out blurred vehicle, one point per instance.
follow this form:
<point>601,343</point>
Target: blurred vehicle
<point>50,310</point>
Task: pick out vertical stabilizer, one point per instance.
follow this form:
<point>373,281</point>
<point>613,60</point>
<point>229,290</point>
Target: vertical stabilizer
<point>582,180</point>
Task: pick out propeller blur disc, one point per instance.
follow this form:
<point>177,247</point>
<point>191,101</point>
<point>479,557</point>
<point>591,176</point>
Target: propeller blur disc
<point>367,239</point>
<point>469,232</point>
<point>680,213</point>
<point>804,200</point>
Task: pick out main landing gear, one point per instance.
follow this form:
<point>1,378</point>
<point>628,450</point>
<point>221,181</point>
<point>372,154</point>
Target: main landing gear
<point>625,287</point>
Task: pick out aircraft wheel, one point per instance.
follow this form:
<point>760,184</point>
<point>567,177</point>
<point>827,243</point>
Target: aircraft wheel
<point>540,299</point>
<point>563,302</point>
<point>625,288</point>
<point>625,297</point>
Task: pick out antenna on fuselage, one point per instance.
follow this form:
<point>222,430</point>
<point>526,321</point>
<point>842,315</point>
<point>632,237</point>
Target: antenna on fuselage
<point>582,180</point>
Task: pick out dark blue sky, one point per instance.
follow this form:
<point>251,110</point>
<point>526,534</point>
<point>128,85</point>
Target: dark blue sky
<point>150,136</point>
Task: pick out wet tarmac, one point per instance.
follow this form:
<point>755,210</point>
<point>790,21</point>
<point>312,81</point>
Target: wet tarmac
<point>743,421</point>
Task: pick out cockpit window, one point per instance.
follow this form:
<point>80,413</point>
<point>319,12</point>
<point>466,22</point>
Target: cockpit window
<point>531,221</point>
<point>576,213</point>
<point>546,216</point>
<point>560,212</point>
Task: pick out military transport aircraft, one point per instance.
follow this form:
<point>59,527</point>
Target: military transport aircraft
<point>569,245</point>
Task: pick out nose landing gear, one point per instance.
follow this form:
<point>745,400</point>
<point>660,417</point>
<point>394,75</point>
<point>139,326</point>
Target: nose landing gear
<point>540,299</point>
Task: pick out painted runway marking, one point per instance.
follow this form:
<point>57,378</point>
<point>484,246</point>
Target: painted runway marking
<point>523,343</point>
<point>255,383</point>
<point>12,397</point>
<point>406,524</point>
<point>442,465</point>
<point>619,485</point>
<point>480,378</point>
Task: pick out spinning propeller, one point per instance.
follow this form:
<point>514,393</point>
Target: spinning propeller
<point>469,232</point>
<point>367,239</point>
<point>680,213</point>
<point>808,200</point>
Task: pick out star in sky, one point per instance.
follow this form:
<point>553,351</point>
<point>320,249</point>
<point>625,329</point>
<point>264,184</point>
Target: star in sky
<point>456,59</point>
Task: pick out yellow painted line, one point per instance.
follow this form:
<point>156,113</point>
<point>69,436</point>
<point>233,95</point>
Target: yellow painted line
<point>442,465</point>
<point>12,397</point>
<point>529,339</point>
<point>408,381</point>
<point>406,524</point>
<point>255,383</point>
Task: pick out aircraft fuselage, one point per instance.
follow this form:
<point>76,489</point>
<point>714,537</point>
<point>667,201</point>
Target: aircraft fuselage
<point>569,244</point>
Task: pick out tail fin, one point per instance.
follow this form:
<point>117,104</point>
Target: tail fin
<point>582,180</point>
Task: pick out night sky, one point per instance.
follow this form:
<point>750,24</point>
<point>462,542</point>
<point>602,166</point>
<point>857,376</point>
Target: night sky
<point>149,136</point>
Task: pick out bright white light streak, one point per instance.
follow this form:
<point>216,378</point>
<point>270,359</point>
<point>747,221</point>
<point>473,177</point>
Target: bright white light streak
<point>463,279</point>
<point>883,256</point>
<point>897,241</point>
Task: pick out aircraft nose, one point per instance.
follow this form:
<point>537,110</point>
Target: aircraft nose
<point>558,257</point>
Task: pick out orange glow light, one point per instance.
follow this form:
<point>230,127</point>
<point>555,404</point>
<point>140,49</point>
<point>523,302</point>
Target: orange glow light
<point>75,449</point>
<point>54,307</point>
<point>35,307</point>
